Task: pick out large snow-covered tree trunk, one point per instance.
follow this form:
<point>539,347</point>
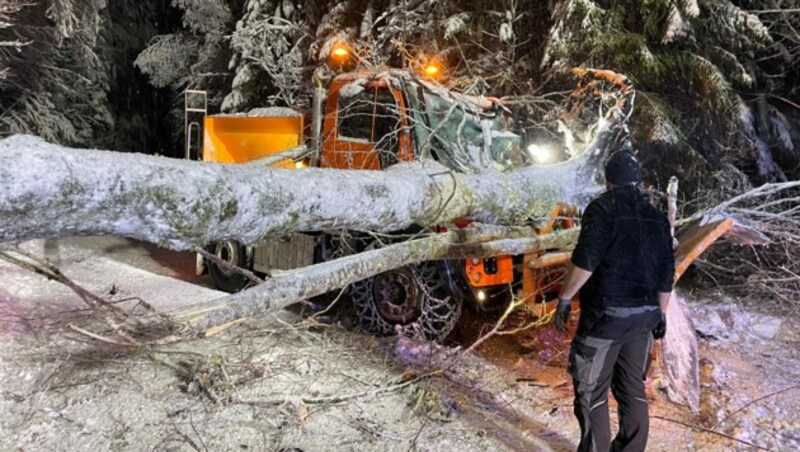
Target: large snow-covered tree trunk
<point>51,191</point>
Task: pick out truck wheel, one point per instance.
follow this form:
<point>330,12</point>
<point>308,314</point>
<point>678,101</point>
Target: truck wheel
<point>414,297</point>
<point>233,253</point>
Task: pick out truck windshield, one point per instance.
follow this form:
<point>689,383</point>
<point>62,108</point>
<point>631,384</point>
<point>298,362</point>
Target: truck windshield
<point>467,138</point>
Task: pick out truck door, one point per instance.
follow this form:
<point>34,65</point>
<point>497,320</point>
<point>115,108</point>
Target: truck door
<point>367,129</point>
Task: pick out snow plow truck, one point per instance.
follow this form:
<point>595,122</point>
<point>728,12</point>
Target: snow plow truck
<point>371,120</point>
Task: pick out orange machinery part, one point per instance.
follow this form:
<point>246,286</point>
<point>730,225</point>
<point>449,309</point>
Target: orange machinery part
<point>478,277</point>
<point>537,264</point>
<point>238,139</point>
<point>560,217</point>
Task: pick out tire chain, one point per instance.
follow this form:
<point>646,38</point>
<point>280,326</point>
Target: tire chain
<point>438,314</point>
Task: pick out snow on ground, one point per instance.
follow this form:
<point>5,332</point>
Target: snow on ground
<point>750,374</point>
<point>275,384</point>
<point>59,394</point>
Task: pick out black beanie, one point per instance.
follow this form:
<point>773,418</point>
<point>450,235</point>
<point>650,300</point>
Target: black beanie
<point>623,168</point>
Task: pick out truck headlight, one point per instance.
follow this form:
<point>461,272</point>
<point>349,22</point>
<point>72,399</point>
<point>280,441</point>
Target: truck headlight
<point>540,154</point>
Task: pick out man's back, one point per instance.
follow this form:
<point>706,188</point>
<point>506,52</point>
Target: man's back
<point>631,245</point>
<point>627,244</point>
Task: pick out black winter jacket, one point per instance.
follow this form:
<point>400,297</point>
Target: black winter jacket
<point>626,243</point>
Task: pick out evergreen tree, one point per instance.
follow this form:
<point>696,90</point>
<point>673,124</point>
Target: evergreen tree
<point>55,84</point>
<point>140,110</point>
<point>695,64</point>
<point>271,44</point>
<point>195,56</point>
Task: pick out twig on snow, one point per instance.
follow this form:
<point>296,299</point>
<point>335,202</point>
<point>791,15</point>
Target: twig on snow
<point>336,399</point>
<point>754,401</point>
<point>45,268</point>
<point>708,430</point>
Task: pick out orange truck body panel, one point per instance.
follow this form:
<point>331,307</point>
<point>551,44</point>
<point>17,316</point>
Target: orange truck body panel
<point>542,271</point>
<point>236,139</point>
<point>479,277</point>
<point>341,152</point>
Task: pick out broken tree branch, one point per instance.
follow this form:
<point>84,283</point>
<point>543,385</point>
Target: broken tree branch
<point>113,316</point>
<point>292,287</point>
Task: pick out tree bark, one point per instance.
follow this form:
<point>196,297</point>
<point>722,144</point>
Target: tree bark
<point>49,191</point>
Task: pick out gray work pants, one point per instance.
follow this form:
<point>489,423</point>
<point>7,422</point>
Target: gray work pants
<point>597,364</point>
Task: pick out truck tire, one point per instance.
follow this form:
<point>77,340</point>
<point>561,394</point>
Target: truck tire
<point>414,297</point>
<point>224,278</point>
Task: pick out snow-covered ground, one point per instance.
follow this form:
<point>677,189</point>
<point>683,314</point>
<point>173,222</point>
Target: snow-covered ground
<point>750,374</point>
<point>61,393</point>
<point>286,382</point>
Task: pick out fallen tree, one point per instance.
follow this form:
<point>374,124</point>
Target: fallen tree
<point>185,205</point>
<point>284,290</point>
<point>182,204</point>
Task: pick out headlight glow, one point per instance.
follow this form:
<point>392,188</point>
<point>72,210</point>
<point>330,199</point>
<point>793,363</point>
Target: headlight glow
<point>540,154</point>
<point>340,52</point>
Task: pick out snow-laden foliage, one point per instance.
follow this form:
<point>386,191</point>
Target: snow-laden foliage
<point>735,26</point>
<point>271,44</point>
<point>194,56</point>
<point>7,11</point>
<point>55,84</point>
<point>695,60</point>
<point>455,24</point>
<point>168,60</point>
<point>204,16</point>
<point>765,163</point>
<point>677,25</point>
<point>279,43</point>
<point>473,41</point>
<point>781,129</point>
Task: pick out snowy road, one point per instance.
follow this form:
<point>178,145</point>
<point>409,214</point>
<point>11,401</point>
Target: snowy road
<point>119,268</point>
<point>145,256</point>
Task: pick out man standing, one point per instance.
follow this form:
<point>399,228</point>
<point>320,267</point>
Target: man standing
<point>623,266</point>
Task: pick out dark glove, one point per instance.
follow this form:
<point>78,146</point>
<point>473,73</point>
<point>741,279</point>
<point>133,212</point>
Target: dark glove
<point>661,329</point>
<point>562,313</point>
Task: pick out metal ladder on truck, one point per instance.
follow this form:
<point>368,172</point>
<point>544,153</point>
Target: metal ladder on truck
<point>192,98</point>
<point>193,148</point>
